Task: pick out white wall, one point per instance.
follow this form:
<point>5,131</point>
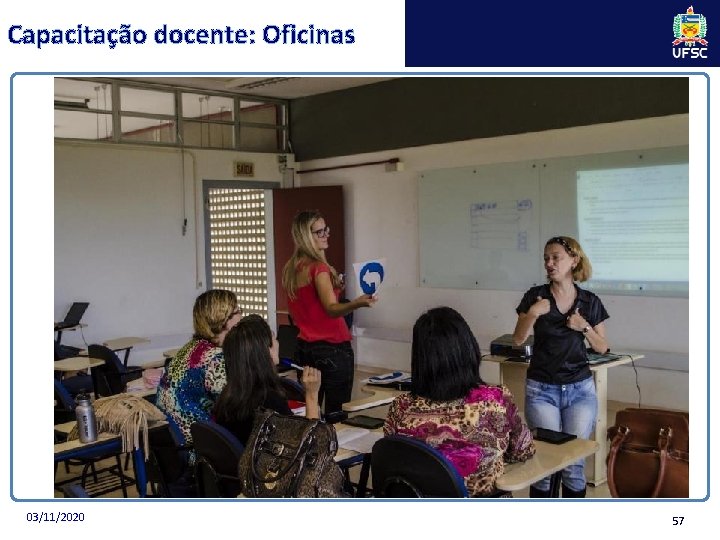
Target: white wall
<point>119,245</point>
<point>382,221</point>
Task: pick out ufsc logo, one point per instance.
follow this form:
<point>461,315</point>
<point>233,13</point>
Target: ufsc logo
<point>690,29</point>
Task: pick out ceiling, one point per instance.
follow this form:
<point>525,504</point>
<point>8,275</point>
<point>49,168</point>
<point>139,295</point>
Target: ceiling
<point>273,87</point>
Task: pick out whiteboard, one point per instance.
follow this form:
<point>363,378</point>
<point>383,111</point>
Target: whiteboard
<point>485,227</point>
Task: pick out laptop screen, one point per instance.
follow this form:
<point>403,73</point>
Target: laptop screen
<point>75,313</point>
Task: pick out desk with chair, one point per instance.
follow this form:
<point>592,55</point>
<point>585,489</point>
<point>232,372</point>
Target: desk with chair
<point>59,332</point>
<point>104,445</point>
<point>549,460</point>
<point>513,374</point>
<point>79,363</point>
<point>377,396</point>
<point>124,344</point>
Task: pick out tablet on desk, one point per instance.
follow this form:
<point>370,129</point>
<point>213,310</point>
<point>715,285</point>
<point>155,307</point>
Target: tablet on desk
<point>552,436</point>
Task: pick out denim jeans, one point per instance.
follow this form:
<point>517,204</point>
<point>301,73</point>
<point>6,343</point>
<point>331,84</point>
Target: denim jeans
<point>336,362</point>
<point>571,408</point>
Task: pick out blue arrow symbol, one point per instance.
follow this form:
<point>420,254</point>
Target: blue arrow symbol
<point>370,286</point>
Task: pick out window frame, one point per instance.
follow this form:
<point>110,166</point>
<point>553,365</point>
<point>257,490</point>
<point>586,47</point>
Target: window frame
<point>282,129</point>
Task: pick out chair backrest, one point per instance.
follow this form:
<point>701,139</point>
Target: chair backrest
<point>167,464</point>
<point>63,399</point>
<point>403,467</point>
<point>110,377</point>
<point>294,390</point>
<point>287,339</point>
<point>64,404</point>
<point>217,453</point>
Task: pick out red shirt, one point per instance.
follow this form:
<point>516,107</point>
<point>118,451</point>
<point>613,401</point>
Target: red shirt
<point>309,315</point>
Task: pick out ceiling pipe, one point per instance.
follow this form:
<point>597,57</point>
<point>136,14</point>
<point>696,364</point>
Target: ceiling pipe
<point>393,162</point>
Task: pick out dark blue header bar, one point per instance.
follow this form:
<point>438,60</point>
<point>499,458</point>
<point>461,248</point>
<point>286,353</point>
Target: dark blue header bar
<point>561,33</point>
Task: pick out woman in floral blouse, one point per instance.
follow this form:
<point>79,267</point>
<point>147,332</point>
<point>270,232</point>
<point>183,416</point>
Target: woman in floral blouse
<point>475,426</point>
<point>196,375</point>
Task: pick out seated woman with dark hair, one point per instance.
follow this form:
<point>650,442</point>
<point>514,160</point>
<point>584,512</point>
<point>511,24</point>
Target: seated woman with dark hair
<point>475,426</point>
<point>251,354</point>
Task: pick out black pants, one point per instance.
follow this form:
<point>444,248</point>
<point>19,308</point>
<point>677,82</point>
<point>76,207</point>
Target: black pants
<point>336,362</point>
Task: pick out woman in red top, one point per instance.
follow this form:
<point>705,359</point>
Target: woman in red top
<point>312,286</point>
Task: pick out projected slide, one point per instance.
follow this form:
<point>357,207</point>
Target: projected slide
<point>633,223</point>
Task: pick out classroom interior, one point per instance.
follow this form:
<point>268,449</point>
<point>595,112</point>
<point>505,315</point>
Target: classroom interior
<point>134,209</point>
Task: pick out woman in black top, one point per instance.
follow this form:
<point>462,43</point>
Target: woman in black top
<point>251,353</point>
<point>560,392</point>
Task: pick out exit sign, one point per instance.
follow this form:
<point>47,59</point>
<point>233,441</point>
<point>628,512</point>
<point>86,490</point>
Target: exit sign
<point>244,168</point>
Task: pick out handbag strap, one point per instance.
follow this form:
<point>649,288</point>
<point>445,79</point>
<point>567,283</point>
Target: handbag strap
<point>620,436</point>
<point>664,437</point>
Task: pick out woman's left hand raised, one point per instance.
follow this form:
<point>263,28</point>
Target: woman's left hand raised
<point>576,322</point>
<point>311,380</point>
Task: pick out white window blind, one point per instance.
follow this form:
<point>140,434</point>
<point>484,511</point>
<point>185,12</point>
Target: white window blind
<point>238,254</point>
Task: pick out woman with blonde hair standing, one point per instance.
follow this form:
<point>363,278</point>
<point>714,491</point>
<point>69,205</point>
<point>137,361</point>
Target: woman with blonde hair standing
<point>559,390</point>
<point>313,286</point>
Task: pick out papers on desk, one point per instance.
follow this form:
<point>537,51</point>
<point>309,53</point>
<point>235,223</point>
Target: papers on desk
<point>388,378</point>
<point>358,439</point>
<point>297,407</point>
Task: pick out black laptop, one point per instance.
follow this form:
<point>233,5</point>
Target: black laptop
<point>74,314</point>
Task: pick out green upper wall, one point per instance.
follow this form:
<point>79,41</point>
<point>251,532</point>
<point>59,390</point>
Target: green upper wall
<point>415,111</point>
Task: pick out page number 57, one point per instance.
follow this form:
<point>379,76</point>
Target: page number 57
<point>678,520</point>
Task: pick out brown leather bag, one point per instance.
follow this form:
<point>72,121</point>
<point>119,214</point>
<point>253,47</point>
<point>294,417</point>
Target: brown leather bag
<point>649,454</point>
<point>290,456</point>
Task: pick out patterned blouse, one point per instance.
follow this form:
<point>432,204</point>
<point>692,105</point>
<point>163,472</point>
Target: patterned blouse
<point>192,383</point>
<point>477,434</point>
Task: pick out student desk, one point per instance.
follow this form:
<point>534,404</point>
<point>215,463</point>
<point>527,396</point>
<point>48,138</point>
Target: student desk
<point>77,363</point>
<point>548,460</point>
<point>347,458</point>
<point>377,396</point>
<point>125,344</point>
<point>121,344</point>
<point>59,331</point>
<point>104,445</point>
<point>512,375</point>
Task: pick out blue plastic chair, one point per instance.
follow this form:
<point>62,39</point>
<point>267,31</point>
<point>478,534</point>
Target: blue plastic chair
<point>217,453</point>
<point>403,467</point>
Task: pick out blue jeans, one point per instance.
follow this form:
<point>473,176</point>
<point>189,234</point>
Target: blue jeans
<point>336,363</point>
<point>571,408</point>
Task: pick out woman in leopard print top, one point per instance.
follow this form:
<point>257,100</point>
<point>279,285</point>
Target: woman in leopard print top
<point>475,426</point>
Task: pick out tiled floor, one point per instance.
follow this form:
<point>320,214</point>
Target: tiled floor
<point>600,491</point>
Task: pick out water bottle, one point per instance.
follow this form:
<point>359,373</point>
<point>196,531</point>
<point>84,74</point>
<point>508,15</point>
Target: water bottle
<point>86,423</point>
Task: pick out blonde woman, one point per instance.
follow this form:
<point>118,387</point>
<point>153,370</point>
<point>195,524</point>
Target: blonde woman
<point>195,377</point>
<point>559,391</point>
<point>313,286</point>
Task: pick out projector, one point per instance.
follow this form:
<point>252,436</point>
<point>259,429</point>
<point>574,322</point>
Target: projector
<point>504,346</point>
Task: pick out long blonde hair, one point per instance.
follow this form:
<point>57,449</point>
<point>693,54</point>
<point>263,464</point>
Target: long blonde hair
<point>583,269</point>
<point>305,252</point>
